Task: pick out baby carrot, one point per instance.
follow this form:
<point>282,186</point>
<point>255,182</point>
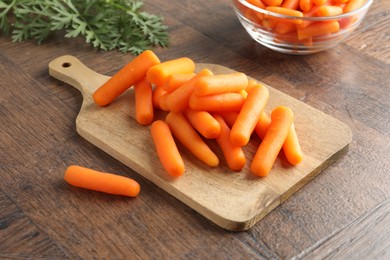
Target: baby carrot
<point>157,93</point>
<point>166,148</point>
<point>353,5</point>
<point>291,147</point>
<point>283,27</point>
<point>130,74</point>
<point>162,102</point>
<point>99,181</point>
<point>272,2</point>
<point>269,148</point>
<point>187,135</point>
<point>234,155</point>
<point>143,102</point>
<point>174,81</point>
<point>262,125</point>
<point>251,84</point>
<point>286,11</point>
<point>305,5</point>
<point>158,73</point>
<point>218,84</point>
<point>178,99</point>
<point>257,3</point>
<point>204,123</point>
<point>249,115</point>
<point>319,2</point>
<point>318,28</point>
<point>329,10</point>
<point>218,102</point>
<point>291,4</point>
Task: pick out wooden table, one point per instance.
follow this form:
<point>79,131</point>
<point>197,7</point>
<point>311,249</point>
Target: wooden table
<point>343,212</point>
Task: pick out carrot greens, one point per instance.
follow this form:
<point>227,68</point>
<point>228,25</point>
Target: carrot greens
<point>105,24</point>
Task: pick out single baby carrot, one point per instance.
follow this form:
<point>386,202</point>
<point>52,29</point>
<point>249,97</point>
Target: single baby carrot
<point>204,123</point>
<point>186,134</point>
<point>158,73</point>
<point>329,10</point>
<point>272,2</point>
<point>166,148</point>
<point>251,84</point>
<point>162,102</point>
<point>262,125</point>
<point>285,11</point>
<point>353,5</point>
<point>158,92</point>
<point>305,5</point>
<point>318,28</point>
<point>257,3</point>
<point>229,117</point>
<point>218,102</point>
<point>291,147</point>
<point>223,83</point>
<point>234,155</point>
<point>144,111</point>
<point>281,120</point>
<point>99,181</point>
<point>178,99</point>
<point>319,2</point>
<point>130,74</point>
<point>174,81</point>
<point>291,4</point>
<point>249,115</point>
<point>283,27</point>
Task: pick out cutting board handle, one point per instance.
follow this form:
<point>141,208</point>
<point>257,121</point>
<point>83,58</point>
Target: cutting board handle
<point>72,71</point>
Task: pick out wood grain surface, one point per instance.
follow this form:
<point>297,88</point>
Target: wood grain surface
<point>342,213</point>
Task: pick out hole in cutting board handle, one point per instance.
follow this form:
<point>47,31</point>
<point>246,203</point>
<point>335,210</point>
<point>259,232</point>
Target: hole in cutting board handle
<point>66,64</point>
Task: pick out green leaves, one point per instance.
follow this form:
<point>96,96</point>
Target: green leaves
<point>106,24</point>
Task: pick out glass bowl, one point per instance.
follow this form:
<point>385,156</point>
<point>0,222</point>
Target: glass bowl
<point>295,34</point>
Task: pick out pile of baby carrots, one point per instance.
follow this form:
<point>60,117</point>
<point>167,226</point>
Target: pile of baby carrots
<point>228,108</point>
<point>298,30</point>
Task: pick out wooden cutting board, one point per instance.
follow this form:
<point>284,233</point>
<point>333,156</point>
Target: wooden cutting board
<point>232,200</point>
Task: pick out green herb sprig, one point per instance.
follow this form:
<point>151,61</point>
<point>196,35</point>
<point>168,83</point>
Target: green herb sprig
<point>106,24</point>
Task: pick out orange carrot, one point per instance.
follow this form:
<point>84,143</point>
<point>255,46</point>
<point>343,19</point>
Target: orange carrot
<point>187,135</point>
<point>291,4</point>
<point>257,3</point>
<point>305,5</point>
<point>285,11</point>
<point>318,28</point>
<point>218,84</point>
<point>157,74</point>
<point>283,27</point>
<point>174,81</point>
<point>158,92</point>
<point>353,5</point>
<point>272,2</point>
<point>319,2</point>
<point>99,181</point>
<point>162,102</point>
<point>229,117</point>
<point>281,120</point>
<point>143,102</point>
<point>166,148</point>
<point>329,10</point>
<point>262,125</point>
<point>292,148</point>
<point>178,99</point>
<point>249,115</point>
<point>130,74</point>
<point>251,84</point>
<point>218,102</point>
<point>234,155</point>
<point>204,123</point>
